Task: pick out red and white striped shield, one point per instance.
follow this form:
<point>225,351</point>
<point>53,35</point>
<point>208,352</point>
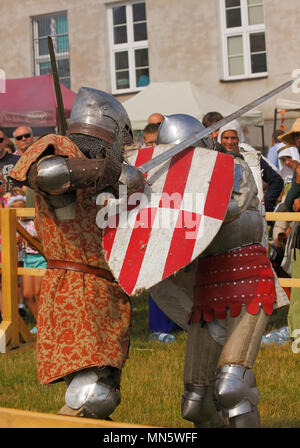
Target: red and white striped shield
<point>173,220</point>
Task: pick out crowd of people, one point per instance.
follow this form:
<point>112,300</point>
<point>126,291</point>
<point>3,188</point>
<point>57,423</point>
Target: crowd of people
<point>84,316</point>
<point>12,196</point>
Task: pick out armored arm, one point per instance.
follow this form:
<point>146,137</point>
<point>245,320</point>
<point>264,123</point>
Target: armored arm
<point>56,175</point>
<point>244,194</point>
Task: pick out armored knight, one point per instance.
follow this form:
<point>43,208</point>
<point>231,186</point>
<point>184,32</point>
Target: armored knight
<point>233,295</point>
<point>84,316</point>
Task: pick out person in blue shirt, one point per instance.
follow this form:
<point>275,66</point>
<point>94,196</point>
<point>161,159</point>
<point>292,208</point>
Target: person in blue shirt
<point>276,144</point>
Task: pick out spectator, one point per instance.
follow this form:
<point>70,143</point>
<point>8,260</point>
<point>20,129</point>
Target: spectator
<point>208,120</point>
<point>211,118</point>
<point>232,138</point>
<point>292,204</point>
<point>285,156</point>
<point>7,160</point>
<point>3,203</point>
<point>150,135</point>
<point>276,145</point>
<point>292,138</point>
<point>4,195</point>
<point>24,138</point>
<point>31,285</point>
<point>155,118</point>
<point>10,147</point>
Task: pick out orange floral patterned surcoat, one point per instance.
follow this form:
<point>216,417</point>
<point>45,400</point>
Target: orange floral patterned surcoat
<point>83,320</point>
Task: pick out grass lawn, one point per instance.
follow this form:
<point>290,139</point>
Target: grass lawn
<point>152,380</point>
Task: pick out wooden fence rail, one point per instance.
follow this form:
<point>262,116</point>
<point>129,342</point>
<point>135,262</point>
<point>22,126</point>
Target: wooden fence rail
<point>13,331</point>
<point>17,418</point>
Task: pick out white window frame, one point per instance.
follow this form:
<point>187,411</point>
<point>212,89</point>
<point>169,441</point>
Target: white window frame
<point>244,30</point>
<point>37,58</point>
<point>129,46</point>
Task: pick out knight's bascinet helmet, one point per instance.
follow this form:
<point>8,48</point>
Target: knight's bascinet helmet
<point>99,114</point>
<point>177,127</point>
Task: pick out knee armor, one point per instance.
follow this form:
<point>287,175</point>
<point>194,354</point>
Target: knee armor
<point>236,390</point>
<point>96,390</point>
<point>199,406</point>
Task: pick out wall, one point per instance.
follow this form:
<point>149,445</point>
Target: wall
<point>183,45</point>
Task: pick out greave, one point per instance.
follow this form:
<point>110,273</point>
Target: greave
<point>96,390</point>
<point>238,396</point>
<point>199,406</point>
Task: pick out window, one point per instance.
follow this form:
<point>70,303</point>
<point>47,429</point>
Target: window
<point>56,26</point>
<point>128,47</point>
<point>243,39</point>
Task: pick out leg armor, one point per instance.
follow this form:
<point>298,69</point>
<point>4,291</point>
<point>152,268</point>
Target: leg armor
<point>198,401</point>
<point>199,406</point>
<point>238,396</point>
<point>96,390</point>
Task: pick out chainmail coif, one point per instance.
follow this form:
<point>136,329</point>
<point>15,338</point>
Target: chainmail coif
<point>93,147</point>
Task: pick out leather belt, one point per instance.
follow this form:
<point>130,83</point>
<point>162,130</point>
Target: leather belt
<point>80,267</point>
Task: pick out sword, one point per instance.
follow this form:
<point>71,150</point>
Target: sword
<point>60,106</point>
<point>190,141</point>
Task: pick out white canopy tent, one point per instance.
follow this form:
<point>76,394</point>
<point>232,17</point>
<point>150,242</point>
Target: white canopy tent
<point>288,106</point>
<point>182,97</point>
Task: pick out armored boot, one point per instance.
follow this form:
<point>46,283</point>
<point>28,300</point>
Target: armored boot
<point>199,406</point>
<point>238,396</point>
<point>93,393</point>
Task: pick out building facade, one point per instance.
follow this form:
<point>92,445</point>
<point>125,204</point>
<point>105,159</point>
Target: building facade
<point>237,49</point>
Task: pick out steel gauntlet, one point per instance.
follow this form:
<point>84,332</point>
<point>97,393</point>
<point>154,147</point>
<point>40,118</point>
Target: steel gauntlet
<point>132,178</point>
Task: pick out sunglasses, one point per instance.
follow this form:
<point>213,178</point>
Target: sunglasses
<point>19,137</point>
<point>1,139</point>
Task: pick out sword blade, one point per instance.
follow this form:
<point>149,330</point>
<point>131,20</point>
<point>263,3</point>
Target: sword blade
<point>60,106</point>
<point>194,138</point>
